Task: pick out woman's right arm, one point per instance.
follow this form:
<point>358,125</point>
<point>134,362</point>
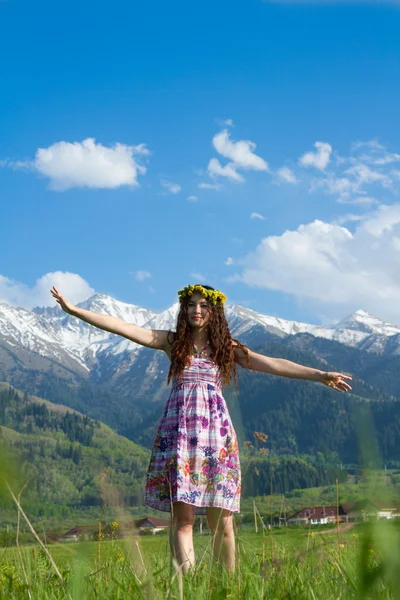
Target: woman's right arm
<point>152,338</point>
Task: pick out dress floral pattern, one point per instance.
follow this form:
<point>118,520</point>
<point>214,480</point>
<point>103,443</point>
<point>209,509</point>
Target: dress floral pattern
<point>195,457</point>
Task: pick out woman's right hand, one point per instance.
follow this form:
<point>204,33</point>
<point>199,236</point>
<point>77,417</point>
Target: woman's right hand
<point>67,307</point>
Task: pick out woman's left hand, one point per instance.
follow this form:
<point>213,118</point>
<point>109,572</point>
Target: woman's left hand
<point>336,381</point>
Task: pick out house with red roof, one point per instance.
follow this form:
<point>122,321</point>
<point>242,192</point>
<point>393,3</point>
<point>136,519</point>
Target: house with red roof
<point>317,515</point>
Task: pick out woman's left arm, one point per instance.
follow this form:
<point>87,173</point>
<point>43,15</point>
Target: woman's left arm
<point>286,368</point>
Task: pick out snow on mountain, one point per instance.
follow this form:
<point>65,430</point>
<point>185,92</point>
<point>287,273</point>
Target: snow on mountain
<point>284,327</point>
<point>53,334</point>
<point>366,323</point>
<point>106,305</point>
<point>166,319</point>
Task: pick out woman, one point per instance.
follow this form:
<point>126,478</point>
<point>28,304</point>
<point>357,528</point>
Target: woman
<point>194,467</point>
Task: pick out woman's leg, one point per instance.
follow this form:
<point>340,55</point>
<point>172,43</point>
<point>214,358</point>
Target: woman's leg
<point>220,522</point>
<point>182,534</point>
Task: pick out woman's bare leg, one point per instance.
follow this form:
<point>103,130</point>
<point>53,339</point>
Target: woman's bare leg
<point>220,522</point>
<point>181,539</point>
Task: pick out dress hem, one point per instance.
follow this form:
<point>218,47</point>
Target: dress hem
<point>201,509</point>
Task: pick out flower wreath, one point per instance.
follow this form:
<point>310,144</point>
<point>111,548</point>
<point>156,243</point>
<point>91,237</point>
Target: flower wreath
<point>213,296</point>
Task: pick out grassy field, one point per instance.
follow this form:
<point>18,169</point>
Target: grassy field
<point>290,563</point>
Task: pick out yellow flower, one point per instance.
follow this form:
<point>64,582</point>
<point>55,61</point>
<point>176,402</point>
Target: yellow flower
<point>211,295</point>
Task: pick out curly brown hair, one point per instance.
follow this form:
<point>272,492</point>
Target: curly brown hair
<point>221,342</point>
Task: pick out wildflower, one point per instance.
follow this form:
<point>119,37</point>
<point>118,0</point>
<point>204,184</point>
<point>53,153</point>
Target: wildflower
<point>256,471</point>
<point>261,437</point>
<point>248,444</point>
<point>121,558</point>
<point>264,451</point>
<point>311,534</point>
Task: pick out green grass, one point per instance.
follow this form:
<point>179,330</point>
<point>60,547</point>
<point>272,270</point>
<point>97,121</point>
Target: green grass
<point>290,563</point>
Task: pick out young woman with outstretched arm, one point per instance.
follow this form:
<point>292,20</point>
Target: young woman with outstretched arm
<point>194,466</point>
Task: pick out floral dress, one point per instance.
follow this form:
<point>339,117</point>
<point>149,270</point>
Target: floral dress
<point>195,456</point>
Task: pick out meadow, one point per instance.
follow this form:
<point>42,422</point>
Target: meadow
<point>287,562</point>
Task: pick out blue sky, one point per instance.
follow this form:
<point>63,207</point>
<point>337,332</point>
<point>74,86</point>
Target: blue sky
<point>253,145</point>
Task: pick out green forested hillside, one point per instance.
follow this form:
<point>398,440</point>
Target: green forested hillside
<point>314,434</point>
<point>307,418</point>
<point>68,459</point>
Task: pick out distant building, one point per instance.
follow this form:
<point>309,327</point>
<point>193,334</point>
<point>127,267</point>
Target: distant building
<point>347,512</point>
<point>151,524</point>
<point>79,533</point>
<point>317,515</point>
<point>376,509</point>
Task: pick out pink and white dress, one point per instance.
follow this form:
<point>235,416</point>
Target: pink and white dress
<point>195,457</point>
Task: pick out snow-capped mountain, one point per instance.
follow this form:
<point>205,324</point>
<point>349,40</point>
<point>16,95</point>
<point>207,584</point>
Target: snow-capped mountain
<point>352,331</point>
<point>59,339</point>
<point>363,321</point>
<point>55,335</point>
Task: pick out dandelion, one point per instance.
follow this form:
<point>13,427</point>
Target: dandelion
<point>121,558</point>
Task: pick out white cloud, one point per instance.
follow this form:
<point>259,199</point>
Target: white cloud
<point>72,286</point>
<point>198,276</point>
<point>229,170</point>
<point>87,164</point>
<point>370,144</point>
<point>359,200</point>
<point>348,218</point>
<point>340,186</point>
<point>255,215</point>
<point>16,165</point>
<point>240,153</point>
<point>209,186</point>
<point>172,188</point>
<point>241,157</point>
<point>192,198</point>
<point>141,275</point>
<point>319,159</point>
<point>332,268</point>
<point>286,175</point>
<point>363,175</point>
<point>229,261</point>
<point>352,185</point>
<point>384,159</point>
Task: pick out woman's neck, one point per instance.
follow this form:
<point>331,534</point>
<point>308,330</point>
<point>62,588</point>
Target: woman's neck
<point>200,340</point>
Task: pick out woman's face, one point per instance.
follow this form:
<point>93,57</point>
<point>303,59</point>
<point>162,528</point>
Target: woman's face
<point>198,311</point>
